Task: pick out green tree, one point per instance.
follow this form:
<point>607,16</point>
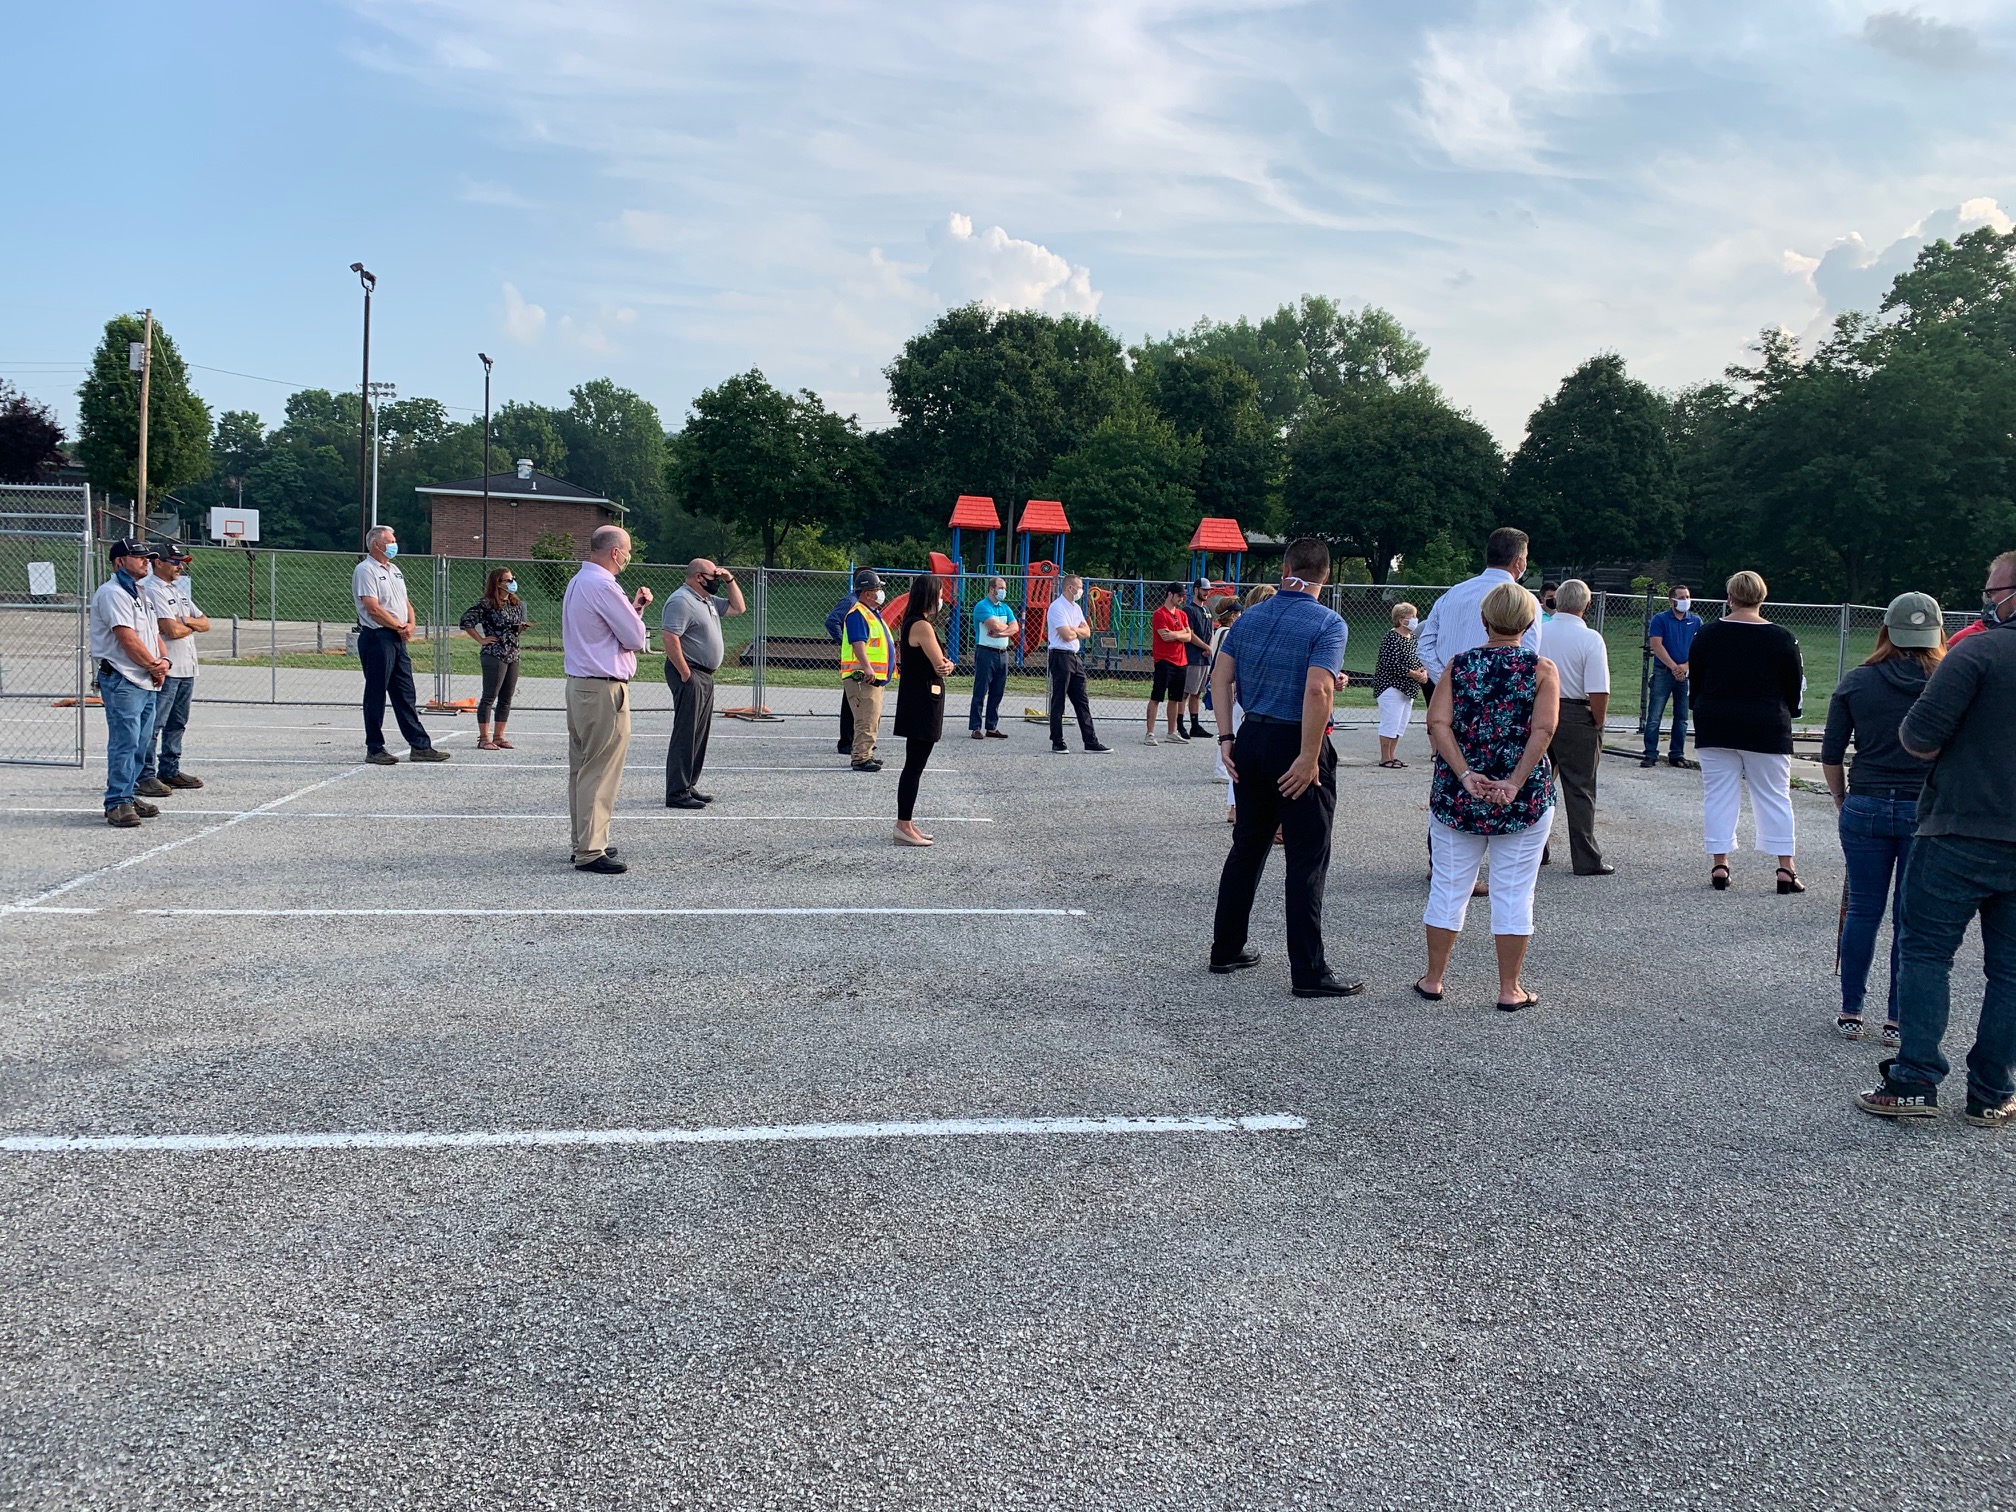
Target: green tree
<point>615,444</point>
<point>1129,491</point>
<point>29,436</point>
<point>1218,402</point>
<point>108,415</point>
<point>1279,371</point>
<point>1595,479</point>
<point>1390,471</point>
<point>537,432</point>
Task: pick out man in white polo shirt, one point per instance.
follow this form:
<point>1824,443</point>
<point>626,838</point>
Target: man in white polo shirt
<point>126,653</point>
<point>1068,629</point>
<point>1582,657</point>
<point>180,622</point>
<point>384,626</point>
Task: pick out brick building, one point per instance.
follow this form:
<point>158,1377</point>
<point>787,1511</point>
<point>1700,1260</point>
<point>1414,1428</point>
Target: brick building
<point>524,505</point>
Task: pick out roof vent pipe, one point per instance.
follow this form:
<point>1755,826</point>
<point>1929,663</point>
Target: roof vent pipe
<point>524,467</point>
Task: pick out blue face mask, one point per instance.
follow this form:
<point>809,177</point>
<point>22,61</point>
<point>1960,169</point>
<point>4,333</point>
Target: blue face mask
<point>510,585</point>
<point>392,549</point>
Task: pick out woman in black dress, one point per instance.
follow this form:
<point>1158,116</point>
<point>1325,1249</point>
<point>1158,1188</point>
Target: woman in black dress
<point>920,701</point>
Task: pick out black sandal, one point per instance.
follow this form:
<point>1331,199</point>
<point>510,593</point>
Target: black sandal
<point>1420,991</point>
<point>1718,877</point>
<point>1394,765</point>
<point>1525,1002</point>
<point>1788,881</point>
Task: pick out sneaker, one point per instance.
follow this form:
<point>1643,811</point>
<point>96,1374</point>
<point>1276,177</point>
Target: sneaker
<point>381,758</point>
<point>1990,1115</point>
<point>1096,749</point>
<point>1848,1026</point>
<point>1682,762</point>
<point>1198,730</point>
<point>1179,737</point>
<point>1058,748</point>
<point>122,817</point>
<point>1895,1099</point>
<point>431,753</point>
<point>1649,761</point>
<point>153,787</point>
<point>146,810</point>
<point>183,781</point>
<point>1149,739</point>
<point>1893,1035</point>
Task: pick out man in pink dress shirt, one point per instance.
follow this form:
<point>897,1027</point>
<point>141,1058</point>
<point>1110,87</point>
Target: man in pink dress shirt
<point>601,633</point>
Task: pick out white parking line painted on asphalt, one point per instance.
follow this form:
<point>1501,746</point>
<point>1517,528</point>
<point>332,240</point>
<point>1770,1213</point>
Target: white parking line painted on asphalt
<point>683,816</point>
<point>831,769</point>
<point>491,1139</point>
<point>605,913</point>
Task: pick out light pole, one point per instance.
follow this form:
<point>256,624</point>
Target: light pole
<point>485,360</point>
<point>364,514</point>
<point>378,391</point>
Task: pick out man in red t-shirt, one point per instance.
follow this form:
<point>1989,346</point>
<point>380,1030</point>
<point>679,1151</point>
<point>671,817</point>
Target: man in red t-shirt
<point>1169,633</point>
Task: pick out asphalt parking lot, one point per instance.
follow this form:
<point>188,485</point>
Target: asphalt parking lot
<point>1633,1248</point>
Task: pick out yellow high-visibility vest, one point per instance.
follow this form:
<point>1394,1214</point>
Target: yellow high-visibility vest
<point>871,656</point>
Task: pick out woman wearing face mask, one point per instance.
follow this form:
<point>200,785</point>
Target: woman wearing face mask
<point>920,702</point>
<point>494,622</point>
<point>1394,681</point>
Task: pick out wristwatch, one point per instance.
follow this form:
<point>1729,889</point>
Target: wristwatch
<point>1227,739</point>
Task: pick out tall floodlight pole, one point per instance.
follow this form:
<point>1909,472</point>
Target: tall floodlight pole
<point>146,367</point>
<point>377,391</point>
<point>364,521</point>
<point>480,357</point>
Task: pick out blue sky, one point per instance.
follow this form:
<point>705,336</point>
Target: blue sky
<point>668,194</point>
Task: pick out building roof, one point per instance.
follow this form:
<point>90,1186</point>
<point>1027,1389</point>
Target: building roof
<point>1216,533</point>
<point>510,486</point>
<point>975,512</point>
<point>1043,517</point>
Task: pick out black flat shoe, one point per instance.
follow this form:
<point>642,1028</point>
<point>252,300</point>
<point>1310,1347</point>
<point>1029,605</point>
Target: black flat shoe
<point>1245,958</point>
<point>1605,870</point>
<point>1329,986</point>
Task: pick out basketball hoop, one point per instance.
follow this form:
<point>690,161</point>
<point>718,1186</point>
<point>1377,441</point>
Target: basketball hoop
<point>234,532</point>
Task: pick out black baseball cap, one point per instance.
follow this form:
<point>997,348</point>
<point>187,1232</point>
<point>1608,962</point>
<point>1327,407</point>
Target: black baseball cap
<point>866,579</point>
<point>169,551</point>
<point>126,546</point>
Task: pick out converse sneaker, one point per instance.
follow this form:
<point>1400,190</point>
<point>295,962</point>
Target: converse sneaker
<point>1895,1099</point>
<point>1987,1115</point>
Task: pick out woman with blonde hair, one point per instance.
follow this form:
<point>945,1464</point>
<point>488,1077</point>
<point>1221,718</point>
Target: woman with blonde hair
<point>1749,682</point>
<point>1395,680</point>
<point>1877,799</point>
<point>1491,719</point>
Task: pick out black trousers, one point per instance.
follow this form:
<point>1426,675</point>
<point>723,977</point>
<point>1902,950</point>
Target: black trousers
<point>500,685</point>
<point>1263,751</point>
<point>916,756</point>
<point>846,746</point>
<point>389,670</point>
<point>1067,680</point>
<point>692,720</point>
<point>1577,747</point>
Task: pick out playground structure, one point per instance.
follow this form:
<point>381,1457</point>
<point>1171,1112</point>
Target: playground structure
<point>1217,535</point>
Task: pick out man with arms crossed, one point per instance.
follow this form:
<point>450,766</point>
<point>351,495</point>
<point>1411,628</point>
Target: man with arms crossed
<point>691,632</point>
<point>1068,629</point>
<point>601,633</point>
<point>180,622</point>
<point>1168,665</point>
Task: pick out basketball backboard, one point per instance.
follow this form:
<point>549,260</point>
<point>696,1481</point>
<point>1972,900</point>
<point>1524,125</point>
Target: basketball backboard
<point>234,527</point>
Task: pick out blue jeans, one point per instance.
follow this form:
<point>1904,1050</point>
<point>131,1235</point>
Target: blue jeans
<point>171,718</point>
<point>1664,686</point>
<point>1875,842</point>
<point>129,731</point>
<point>990,681</point>
<point>1950,879</point>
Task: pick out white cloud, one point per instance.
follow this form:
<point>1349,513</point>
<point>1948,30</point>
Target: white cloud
<point>522,321</point>
<point>1854,275</point>
<point>486,192</point>
<point>1004,272</point>
<point>1922,39</point>
<point>647,231</point>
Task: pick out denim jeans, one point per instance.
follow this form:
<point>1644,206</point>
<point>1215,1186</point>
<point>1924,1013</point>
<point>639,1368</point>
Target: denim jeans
<point>1875,842</point>
<point>1664,686</point>
<point>129,731</point>
<point>1950,879</point>
<point>163,755</point>
<point>990,681</point>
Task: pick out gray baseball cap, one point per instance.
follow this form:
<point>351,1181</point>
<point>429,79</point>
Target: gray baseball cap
<point>1914,621</point>
<point>866,580</point>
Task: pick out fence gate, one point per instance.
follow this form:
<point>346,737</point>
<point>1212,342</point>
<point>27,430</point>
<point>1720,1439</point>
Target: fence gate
<point>45,597</point>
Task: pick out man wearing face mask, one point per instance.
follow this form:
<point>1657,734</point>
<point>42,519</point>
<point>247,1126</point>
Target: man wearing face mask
<point>694,647</point>
<point>866,665</point>
<point>601,632</point>
<point>1068,629</point>
<point>126,651</point>
<point>1963,863</point>
<point>1670,636</point>
<point>180,622</point>
<point>384,626</point>
<point>993,623</point>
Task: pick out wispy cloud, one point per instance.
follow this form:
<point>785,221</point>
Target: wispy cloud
<point>484,192</point>
<point>1923,39</point>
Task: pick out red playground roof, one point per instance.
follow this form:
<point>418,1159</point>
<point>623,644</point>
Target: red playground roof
<point>1043,517</point>
<point>975,512</point>
<point>1217,534</point>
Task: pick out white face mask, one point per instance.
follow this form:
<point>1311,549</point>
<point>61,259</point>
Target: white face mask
<point>1681,606</point>
<point>1413,624</point>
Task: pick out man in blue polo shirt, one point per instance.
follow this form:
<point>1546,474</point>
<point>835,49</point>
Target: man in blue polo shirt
<point>1282,662</point>
<point>1670,637</point>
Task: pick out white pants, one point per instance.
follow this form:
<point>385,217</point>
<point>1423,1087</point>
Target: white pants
<point>1515,867</point>
<point>1396,709</point>
<point>1723,774</point>
<point>1231,793</point>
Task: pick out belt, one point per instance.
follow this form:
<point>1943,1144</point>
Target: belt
<point>596,677</point>
<point>1575,700</point>
<point>696,667</point>
<point>1269,719</point>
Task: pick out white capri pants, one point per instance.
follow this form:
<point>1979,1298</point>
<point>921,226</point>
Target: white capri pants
<point>1396,709</point>
<point>1515,867</point>
<point>1723,775</point>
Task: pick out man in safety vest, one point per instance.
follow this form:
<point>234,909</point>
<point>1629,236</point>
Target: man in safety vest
<point>865,666</point>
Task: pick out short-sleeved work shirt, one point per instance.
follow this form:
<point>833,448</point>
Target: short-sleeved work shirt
<point>1274,644</point>
<point>695,619</point>
<point>172,601</point>
<point>122,603</point>
<point>382,581</point>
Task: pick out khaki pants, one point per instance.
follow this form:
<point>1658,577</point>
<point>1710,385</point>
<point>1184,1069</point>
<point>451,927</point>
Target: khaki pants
<point>865,700</point>
<point>1576,750</point>
<point>598,738</point>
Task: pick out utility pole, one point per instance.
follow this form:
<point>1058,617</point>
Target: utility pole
<point>377,391</point>
<point>364,519</point>
<point>139,520</point>
<point>482,358</point>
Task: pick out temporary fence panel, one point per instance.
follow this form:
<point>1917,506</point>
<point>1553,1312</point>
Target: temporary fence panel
<point>46,578</point>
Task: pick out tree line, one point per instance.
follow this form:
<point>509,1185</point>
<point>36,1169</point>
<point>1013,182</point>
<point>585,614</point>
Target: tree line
<point>1881,459</point>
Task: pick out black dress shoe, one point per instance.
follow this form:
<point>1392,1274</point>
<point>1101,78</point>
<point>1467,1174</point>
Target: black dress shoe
<point>1605,870</point>
<point>703,797</point>
<point>867,766</point>
<point>1245,958</point>
<point>684,801</point>
<point>604,865</point>
<point>1330,986</point>
<point>997,734</point>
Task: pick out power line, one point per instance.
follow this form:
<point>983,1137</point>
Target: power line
<point>287,383</point>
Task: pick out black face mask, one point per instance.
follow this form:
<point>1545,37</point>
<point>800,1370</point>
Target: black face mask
<point>715,584</point>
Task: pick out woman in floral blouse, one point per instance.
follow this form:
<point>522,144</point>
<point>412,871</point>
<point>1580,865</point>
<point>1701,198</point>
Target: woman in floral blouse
<point>1490,720</point>
<point>1394,682</point>
<point>494,621</point>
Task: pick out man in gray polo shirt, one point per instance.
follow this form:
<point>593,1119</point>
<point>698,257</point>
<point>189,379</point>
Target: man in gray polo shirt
<point>693,652</point>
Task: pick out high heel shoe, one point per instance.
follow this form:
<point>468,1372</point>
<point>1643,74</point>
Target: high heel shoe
<point>1718,878</point>
<point>1788,881</point>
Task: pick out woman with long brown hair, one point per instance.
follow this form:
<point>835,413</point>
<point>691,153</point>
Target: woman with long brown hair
<point>1877,798</point>
<point>920,701</point>
<point>493,622</point>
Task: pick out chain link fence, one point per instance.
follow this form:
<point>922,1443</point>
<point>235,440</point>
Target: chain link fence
<point>281,621</point>
<point>46,578</point>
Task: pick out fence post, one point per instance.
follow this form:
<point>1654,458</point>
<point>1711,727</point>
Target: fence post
<point>1602,612</point>
<point>234,637</point>
<point>273,621</point>
<point>758,647</point>
<point>1645,660</point>
<point>1841,655</point>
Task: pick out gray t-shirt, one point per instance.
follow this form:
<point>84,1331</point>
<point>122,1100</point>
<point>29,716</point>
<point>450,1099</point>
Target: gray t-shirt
<point>695,619</point>
<point>1966,713</point>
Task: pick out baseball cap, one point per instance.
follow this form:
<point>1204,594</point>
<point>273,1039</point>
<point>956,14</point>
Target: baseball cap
<point>866,579</point>
<point>126,546</point>
<point>169,551</point>
<point>1914,621</point>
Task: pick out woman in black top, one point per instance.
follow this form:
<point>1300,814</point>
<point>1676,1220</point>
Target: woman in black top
<point>1748,682</point>
<point>1878,798</point>
<point>920,701</point>
<point>494,621</point>
<point>1394,680</point>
